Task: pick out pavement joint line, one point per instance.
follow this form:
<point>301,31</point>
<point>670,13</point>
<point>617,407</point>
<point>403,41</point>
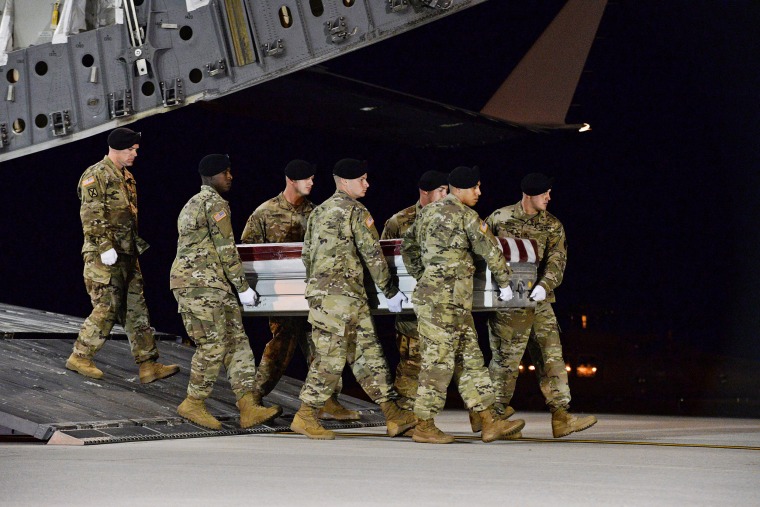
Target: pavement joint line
<point>577,441</point>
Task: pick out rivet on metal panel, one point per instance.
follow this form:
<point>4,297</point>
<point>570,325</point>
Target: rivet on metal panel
<point>274,49</point>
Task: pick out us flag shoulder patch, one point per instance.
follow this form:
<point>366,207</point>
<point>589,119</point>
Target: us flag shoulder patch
<point>369,221</point>
<point>88,181</point>
<point>220,216</point>
<point>483,227</point>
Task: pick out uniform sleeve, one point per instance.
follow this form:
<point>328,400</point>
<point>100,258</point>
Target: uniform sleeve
<point>306,249</point>
<point>255,229</point>
<point>220,230</point>
<point>93,211</point>
<point>487,246</point>
<point>390,229</point>
<point>368,244</point>
<point>556,259</point>
<point>411,253</point>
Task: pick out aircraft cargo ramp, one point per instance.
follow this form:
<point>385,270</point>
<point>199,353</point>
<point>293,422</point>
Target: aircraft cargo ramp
<point>41,398</point>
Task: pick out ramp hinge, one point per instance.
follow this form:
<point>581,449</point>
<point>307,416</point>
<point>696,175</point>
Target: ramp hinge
<point>120,103</point>
<point>216,69</point>
<point>172,92</point>
<point>3,135</point>
<point>60,122</point>
<point>338,30</point>
<point>398,5</point>
<point>274,49</point>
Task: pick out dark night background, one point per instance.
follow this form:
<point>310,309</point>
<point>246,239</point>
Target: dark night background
<point>659,200</point>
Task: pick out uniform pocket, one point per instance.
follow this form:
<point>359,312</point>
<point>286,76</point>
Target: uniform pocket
<point>95,270</point>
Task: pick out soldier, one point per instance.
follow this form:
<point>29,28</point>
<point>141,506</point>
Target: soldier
<point>341,240</point>
<point>206,279</point>
<point>437,251</point>
<point>537,327</point>
<point>433,186</point>
<point>112,276</point>
<point>282,219</point>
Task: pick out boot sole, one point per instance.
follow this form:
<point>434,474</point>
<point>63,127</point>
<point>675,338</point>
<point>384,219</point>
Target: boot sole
<point>326,416</point>
<point>505,436</point>
<point>152,378</point>
<point>302,431</point>
<point>200,423</point>
<point>84,374</point>
<point>574,431</point>
<point>422,440</point>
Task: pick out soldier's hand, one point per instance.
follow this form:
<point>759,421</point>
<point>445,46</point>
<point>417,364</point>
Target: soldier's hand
<point>505,293</point>
<point>249,297</point>
<point>109,257</point>
<point>395,303</point>
<point>538,293</point>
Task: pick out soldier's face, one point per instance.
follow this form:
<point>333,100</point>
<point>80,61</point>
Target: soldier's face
<point>541,201</point>
<point>470,196</point>
<point>303,187</point>
<point>357,188</point>
<point>124,158</point>
<point>222,182</point>
<point>439,193</point>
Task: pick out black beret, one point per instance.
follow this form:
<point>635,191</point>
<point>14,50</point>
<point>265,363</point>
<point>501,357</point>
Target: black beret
<point>213,164</point>
<point>123,138</point>
<point>536,184</point>
<point>350,168</point>
<point>464,177</point>
<point>430,180</point>
<point>299,170</point>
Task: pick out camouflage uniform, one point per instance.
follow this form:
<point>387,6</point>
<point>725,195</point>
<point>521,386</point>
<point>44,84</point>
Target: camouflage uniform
<point>437,251</point>
<point>514,329</point>
<point>205,276</point>
<point>340,241</point>
<point>278,221</point>
<point>407,337</point>
<point>108,196</point>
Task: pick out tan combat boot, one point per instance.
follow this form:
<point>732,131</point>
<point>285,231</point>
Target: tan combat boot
<point>252,413</point>
<point>476,424</point>
<point>306,423</point>
<point>564,423</point>
<point>334,410</point>
<point>495,427</point>
<point>83,366</point>
<point>151,370</point>
<point>194,410</point>
<point>397,420</point>
<point>426,432</point>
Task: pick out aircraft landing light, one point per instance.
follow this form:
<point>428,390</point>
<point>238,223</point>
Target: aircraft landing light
<point>585,128</point>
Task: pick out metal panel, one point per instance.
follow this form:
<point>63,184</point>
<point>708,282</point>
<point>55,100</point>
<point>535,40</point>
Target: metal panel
<point>87,72</point>
<point>50,81</point>
<point>281,44</point>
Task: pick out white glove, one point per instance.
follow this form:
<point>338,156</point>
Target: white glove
<point>109,257</point>
<point>505,293</point>
<point>394,303</point>
<point>249,297</point>
<point>538,293</point>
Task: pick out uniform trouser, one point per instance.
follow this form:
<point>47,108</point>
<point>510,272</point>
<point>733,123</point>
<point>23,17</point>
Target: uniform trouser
<point>117,295</point>
<point>408,369</point>
<point>449,348</point>
<point>213,321</point>
<point>343,331</point>
<point>536,328</point>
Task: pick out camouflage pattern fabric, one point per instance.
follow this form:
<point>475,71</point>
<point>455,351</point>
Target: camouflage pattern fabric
<point>343,331</point>
<point>108,210</point>
<point>340,241</point>
<point>205,276</point>
<point>206,251</point>
<point>546,229</point>
<point>407,337</point>
<point>437,250</point>
<point>277,221</point>
<point>449,349</point>
<point>117,295</point>
<point>286,333</point>
<point>510,332</point>
<point>213,322</point>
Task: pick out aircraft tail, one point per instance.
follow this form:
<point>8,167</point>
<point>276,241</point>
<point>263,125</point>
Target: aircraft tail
<point>539,91</point>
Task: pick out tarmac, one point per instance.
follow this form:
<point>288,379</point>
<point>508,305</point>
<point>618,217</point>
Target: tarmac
<point>623,460</point>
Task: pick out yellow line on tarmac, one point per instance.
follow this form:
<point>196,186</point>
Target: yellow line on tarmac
<point>585,441</point>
